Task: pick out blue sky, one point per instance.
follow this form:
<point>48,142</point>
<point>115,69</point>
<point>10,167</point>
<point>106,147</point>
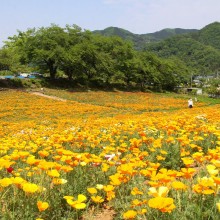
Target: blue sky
<point>137,16</point>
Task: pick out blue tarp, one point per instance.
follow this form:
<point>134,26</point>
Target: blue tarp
<point>9,77</point>
<point>31,77</point>
<point>19,77</point>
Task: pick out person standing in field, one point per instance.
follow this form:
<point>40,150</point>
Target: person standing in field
<point>190,103</point>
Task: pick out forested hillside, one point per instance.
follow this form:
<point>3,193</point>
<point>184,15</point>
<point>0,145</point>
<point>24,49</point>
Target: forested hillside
<point>200,51</point>
<point>140,40</point>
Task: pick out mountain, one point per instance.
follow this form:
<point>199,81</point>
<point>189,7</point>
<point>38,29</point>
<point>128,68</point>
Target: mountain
<point>210,35</point>
<point>140,40</point>
<point>199,50</point>
<point>168,32</point>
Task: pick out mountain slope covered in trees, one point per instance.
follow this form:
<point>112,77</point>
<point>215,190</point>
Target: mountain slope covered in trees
<point>140,40</point>
<point>200,51</point>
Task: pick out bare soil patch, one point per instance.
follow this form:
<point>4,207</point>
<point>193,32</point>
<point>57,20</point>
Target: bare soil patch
<point>48,96</point>
<point>104,214</point>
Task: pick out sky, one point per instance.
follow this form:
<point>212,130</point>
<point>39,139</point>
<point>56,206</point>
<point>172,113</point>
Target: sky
<point>136,16</point>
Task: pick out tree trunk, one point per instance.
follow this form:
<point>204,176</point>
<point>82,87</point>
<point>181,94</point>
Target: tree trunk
<point>53,71</point>
<point>52,68</point>
<point>70,75</point>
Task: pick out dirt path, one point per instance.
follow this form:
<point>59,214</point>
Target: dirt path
<point>48,96</point>
<point>105,214</point>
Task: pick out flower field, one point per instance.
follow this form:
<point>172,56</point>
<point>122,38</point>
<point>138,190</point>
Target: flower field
<point>138,155</point>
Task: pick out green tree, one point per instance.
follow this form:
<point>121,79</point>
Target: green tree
<point>42,48</point>
<point>5,62</point>
<point>46,47</point>
<point>149,75</point>
<point>70,61</point>
<point>123,56</point>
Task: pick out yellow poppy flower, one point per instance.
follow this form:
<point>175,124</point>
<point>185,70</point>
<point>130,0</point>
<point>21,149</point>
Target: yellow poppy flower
<point>53,173</point>
<point>42,206</point>
<point>92,190</point>
<point>212,170</point>
<point>30,188</point>
<point>136,191</point>
<point>130,214</point>
<point>77,204</point>
<point>179,185</point>
<point>108,188</point>
<point>218,206</point>
<point>5,182</point>
<point>162,204</point>
<point>99,186</point>
<point>68,197</point>
<point>161,192</point>
<point>97,199</point>
<point>57,181</point>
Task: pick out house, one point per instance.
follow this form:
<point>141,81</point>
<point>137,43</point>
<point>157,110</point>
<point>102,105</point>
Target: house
<point>197,82</point>
<point>198,91</point>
